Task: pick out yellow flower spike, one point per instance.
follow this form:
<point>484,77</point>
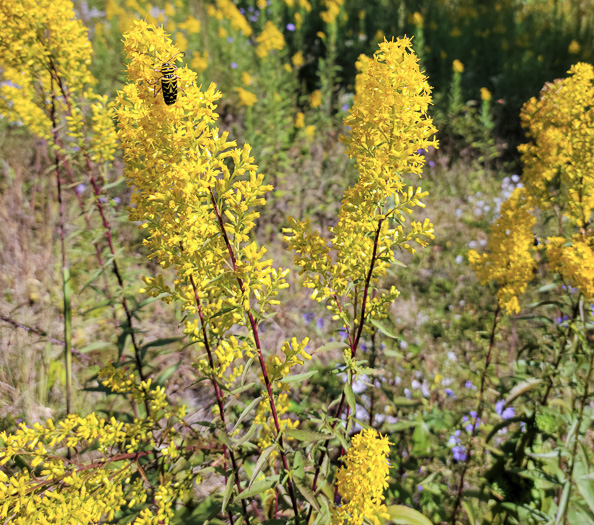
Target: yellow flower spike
<point>362,479</point>
<point>508,260</point>
<point>485,94</point>
<point>269,40</point>
<point>457,66</point>
<point>560,122</point>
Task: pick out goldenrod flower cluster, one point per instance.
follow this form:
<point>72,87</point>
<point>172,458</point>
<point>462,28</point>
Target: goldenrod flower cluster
<point>75,492</point>
<point>362,479</point>
<point>559,159</point>
<point>509,260</point>
<point>269,40</point>
<point>559,179</point>
<point>246,98</point>
<point>226,9</point>
<point>196,194</point>
<point>574,261</point>
<point>388,125</point>
<point>44,56</point>
<point>332,10</point>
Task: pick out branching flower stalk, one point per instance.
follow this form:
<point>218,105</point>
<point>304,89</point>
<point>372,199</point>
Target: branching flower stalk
<point>254,328</point>
<point>389,132</point>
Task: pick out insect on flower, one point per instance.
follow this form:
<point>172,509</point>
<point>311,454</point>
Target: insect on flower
<point>168,80</point>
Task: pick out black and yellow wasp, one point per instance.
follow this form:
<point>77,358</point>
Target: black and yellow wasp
<point>168,80</point>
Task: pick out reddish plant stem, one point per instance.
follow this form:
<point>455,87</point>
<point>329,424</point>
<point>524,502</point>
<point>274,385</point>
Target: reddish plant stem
<point>219,396</point>
<point>354,346</point>
<point>254,328</point>
<point>109,238</point>
<point>479,411</point>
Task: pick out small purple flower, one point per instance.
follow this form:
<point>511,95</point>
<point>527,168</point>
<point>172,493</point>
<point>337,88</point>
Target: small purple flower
<point>291,27</point>
<point>117,200</point>
<point>242,10</point>
<point>320,323</point>
<point>80,189</point>
<point>102,199</point>
<point>431,164</point>
<point>342,333</point>
<point>421,151</point>
<point>407,393</point>
<point>468,385</point>
<point>363,347</point>
<point>233,65</point>
<point>420,488</point>
<point>505,413</point>
<point>450,393</point>
<point>561,320</point>
<point>308,317</point>
<point>345,107</point>
<point>230,39</point>
<point>459,453</point>
<point>254,18</point>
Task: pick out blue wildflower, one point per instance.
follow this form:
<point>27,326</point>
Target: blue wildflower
<point>459,453</point>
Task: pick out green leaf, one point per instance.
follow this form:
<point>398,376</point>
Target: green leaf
<point>350,397</point>
<point>298,377</point>
<point>113,184</point>
<point>260,463</point>
<point>404,402</point>
<point>420,439</point>
<point>383,329</point>
<point>522,388</point>
<point>390,352</point>
<point>224,311</point>
<point>563,503</point>
<point>334,345</point>
<point>308,495</point>
<point>298,467</point>
<point>469,512</point>
<point>242,388</point>
<point>401,425</point>
<point>166,374</point>
<point>260,486</point>
<point>306,435</point>
<point>245,412</point>
<point>547,287</point>
<point>161,342</point>
<point>401,515</point>
<point>248,435</point>
<point>228,491</point>
<point>246,368</point>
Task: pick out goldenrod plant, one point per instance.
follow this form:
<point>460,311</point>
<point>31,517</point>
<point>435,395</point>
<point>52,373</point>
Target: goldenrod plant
<point>195,194</point>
